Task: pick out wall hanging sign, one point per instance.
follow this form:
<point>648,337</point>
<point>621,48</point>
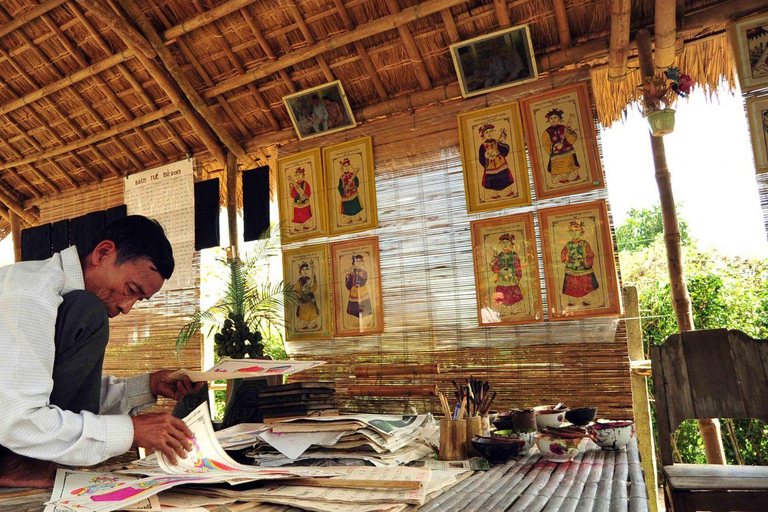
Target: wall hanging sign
<point>757,112</point>
<point>506,270</point>
<point>351,186</point>
<point>494,61</point>
<point>307,270</point>
<point>300,196</point>
<point>560,135</point>
<point>493,157</point>
<point>320,110</point>
<point>356,277</point>
<point>749,39</point>
<point>579,267</point>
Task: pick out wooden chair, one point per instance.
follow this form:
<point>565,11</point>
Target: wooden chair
<point>710,374</point>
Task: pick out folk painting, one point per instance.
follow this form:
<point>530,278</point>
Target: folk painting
<point>320,110</point>
<point>350,186</point>
<point>757,112</point>
<point>306,269</point>
<point>579,267</point>
<point>300,196</point>
<point>561,140</point>
<point>749,39</point>
<point>506,270</point>
<point>356,285</point>
<point>493,157</point>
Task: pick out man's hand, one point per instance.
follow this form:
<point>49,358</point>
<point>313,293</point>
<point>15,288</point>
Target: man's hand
<point>162,432</point>
<point>162,384</point>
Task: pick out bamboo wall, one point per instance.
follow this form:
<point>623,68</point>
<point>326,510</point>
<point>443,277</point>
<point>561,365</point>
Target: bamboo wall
<point>430,312</point>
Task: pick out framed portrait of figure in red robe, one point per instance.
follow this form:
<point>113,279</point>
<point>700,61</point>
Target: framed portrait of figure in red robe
<point>309,317</point>
<point>356,287</point>
<point>506,270</point>
<point>579,266</point>
<point>301,197</point>
<point>560,135</point>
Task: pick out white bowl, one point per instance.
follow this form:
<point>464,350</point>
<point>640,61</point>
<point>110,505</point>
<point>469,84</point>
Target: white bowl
<point>558,449</point>
<point>546,416</point>
<point>612,435</point>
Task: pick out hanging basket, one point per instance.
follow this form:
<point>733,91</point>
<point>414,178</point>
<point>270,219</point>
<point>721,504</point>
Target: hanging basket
<point>662,121</point>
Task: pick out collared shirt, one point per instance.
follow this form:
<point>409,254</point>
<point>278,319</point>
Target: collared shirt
<point>30,295</point>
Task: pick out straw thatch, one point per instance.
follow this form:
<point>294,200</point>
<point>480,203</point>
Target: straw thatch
<point>85,97</point>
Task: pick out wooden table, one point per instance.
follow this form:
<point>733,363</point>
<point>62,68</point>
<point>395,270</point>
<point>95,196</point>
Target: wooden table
<point>595,481</point>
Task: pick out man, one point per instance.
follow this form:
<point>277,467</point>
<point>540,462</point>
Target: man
<point>319,117</point>
<point>54,327</point>
<point>335,115</point>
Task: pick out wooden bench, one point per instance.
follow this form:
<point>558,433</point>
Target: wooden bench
<point>710,374</point>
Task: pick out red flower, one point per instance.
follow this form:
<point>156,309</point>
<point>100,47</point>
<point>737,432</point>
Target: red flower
<point>685,85</point>
<point>557,449</point>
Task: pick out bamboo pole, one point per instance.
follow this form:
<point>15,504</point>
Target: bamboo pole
<point>502,13</point>
<point>619,39</point>
<point>428,390</point>
<point>205,18</point>
<point>178,75</point>
<point>15,207</point>
<point>561,19</point>
<point>665,25</point>
<point>120,26</point>
<point>681,300</point>
<point>28,16</point>
<point>5,212</point>
<point>450,26</point>
<point>16,234</point>
<point>231,177</point>
<point>405,369</point>
<point>406,38</point>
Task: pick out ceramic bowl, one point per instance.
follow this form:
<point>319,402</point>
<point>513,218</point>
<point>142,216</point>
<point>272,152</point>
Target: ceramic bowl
<point>548,416</point>
<point>523,419</point>
<point>528,438</point>
<point>612,435</point>
<point>581,416</point>
<point>504,422</point>
<point>558,449</point>
<point>497,450</point>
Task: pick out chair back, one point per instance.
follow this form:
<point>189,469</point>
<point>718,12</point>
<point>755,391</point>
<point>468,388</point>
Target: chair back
<point>708,374</point>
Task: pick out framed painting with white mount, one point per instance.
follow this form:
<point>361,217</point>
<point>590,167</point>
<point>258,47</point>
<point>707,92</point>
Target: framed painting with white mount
<point>300,196</point>
<point>494,61</point>
<point>320,110</point>
<point>757,113</point>
<point>749,39</point>
<point>506,270</point>
<point>307,270</point>
<point>493,157</point>
<point>356,283</point>
<point>560,135</point>
<point>579,268</point>
<point>351,186</point>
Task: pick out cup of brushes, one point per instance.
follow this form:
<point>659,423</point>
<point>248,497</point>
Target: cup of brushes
<point>474,402</point>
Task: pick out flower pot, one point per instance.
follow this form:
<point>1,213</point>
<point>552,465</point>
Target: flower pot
<point>662,121</point>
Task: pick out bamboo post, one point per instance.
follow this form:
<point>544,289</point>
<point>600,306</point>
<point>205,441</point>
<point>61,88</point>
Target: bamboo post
<point>681,300</point>
<point>16,234</point>
<point>665,25</point>
<point>502,13</point>
<point>640,400</point>
<point>563,29</point>
<point>619,39</point>
<point>231,177</point>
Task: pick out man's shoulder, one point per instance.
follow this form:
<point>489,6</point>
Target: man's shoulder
<point>39,277</point>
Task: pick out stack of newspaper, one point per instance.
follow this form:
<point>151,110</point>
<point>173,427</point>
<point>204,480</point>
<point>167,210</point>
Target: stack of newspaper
<point>362,439</point>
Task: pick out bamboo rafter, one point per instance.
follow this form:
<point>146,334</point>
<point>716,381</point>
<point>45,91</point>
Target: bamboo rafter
<point>563,28</point>
<point>296,14</point>
<point>664,34</point>
<point>502,13</point>
<point>450,26</point>
<point>120,26</point>
<point>28,16</point>
<point>410,48</point>
<point>617,59</point>
<point>205,18</point>
<point>266,47</point>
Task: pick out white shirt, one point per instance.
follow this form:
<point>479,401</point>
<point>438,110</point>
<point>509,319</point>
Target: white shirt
<point>30,295</point>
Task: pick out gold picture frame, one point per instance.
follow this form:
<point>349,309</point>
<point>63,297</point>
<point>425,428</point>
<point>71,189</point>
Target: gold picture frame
<point>749,40</point>
<point>493,158</point>
<point>307,269</point>
<point>506,271</point>
<point>301,196</point>
<point>320,110</point>
<point>579,267</point>
<point>351,187</point>
<point>356,283</point>
<point>757,114</point>
<point>560,135</point>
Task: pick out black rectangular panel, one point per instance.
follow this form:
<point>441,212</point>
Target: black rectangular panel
<point>207,214</point>
<point>256,204</point>
<point>60,235</point>
<point>36,243</point>
<point>116,213</point>
<point>85,230</point>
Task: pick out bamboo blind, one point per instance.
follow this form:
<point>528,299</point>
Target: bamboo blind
<point>428,284</point>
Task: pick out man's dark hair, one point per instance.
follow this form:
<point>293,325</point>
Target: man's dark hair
<point>139,237</point>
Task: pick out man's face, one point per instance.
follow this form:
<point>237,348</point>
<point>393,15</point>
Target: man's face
<point>120,286</point>
<point>554,120</point>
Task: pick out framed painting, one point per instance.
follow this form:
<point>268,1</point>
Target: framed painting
<point>320,110</point>
<point>506,270</point>
<point>560,135</point>
<point>757,112</point>
<point>493,157</point>
<point>307,270</point>
<point>300,196</point>
<point>356,284</point>
<point>749,39</point>
<point>579,268</point>
<point>495,61</point>
<point>351,186</point>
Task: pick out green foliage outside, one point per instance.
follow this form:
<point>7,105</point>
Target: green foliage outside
<point>726,292</point>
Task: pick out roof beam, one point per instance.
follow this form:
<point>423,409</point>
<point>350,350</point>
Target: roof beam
<point>304,29</point>
<point>28,16</point>
<point>502,13</point>
<point>619,39</point>
<point>450,26</point>
<point>410,48</point>
<point>561,19</point>
<point>16,208</point>
<point>259,35</point>
<point>665,26</point>
<point>120,26</point>
<point>205,18</point>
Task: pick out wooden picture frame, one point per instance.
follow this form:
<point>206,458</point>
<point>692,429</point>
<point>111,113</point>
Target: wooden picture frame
<point>560,135</point>
<point>307,269</point>
<point>757,114</point>
<point>749,40</point>
<point>320,110</point>
<point>506,270</point>
<point>495,61</point>
<point>356,284</point>
<point>579,268</point>
<point>301,196</point>
<point>351,187</point>
<point>492,179</point>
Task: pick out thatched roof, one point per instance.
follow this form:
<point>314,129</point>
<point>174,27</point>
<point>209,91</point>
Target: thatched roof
<point>90,89</point>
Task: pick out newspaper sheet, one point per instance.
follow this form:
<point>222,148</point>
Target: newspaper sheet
<point>227,369</point>
<point>240,436</point>
<point>386,425</point>
<point>70,483</point>
<point>293,445</point>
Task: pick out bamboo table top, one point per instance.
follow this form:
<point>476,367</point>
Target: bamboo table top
<point>595,481</point>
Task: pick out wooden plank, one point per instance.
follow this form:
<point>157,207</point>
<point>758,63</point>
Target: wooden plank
<point>662,409</point>
<point>751,373</point>
<point>678,391</point>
